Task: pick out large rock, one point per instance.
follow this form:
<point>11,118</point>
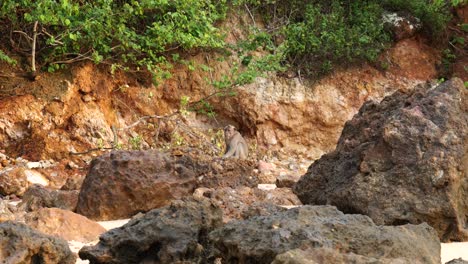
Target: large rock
<point>260,239</point>
<point>401,161</point>
<point>37,197</point>
<point>64,224</point>
<point>21,244</point>
<point>16,180</point>
<point>172,234</point>
<point>122,183</point>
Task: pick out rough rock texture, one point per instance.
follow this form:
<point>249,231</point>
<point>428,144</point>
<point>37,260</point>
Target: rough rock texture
<point>37,197</point>
<point>401,161</point>
<point>21,244</point>
<point>172,234</point>
<point>122,183</point>
<point>13,181</point>
<point>64,224</point>
<point>5,212</point>
<point>457,261</point>
<point>327,255</point>
<point>260,239</point>
<point>243,202</point>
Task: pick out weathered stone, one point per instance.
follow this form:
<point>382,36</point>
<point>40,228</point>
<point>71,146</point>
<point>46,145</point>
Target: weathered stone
<point>13,181</point>
<point>244,202</point>
<point>172,234</point>
<point>21,244</point>
<point>37,197</point>
<point>122,183</point>
<point>5,213</point>
<point>261,238</point>
<point>328,255</point>
<point>287,180</point>
<point>64,224</point>
<point>457,261</point>
<point>401,161</point>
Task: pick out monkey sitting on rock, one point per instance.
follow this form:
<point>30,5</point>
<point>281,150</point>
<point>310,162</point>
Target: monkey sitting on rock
<point>235,144</point>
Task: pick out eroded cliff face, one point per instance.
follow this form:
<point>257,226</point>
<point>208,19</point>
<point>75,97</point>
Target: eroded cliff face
<point>76,111</point>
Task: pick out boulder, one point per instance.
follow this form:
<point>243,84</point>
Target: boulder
<point>120,184</point>
<point>37,197</point>
<point>401,161</point>
<point>172,234</point>
<point>260,239</point>
<point>22,244</point>
<point>64,224</point>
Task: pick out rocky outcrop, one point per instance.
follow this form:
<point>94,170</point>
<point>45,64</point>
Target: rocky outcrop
<point>261,239</point>
<point>173,234</point>
<point>401,161</point>
<point>37,197</point>
<point>122,183</point>
<point>64,224</point>
<point>21,244</point>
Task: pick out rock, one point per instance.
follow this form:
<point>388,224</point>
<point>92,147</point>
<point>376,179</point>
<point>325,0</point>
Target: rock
<point>21,244</point>
<point>457,261</point>
<point>5,213</point>
<point>265,167</point>
<point>13,181</point>
<point>120,184</point>
<point>64,224</point>
<point>287,180</point>
<point>223,173</point>
<point>261,238</point>
<point>328,255</point>
<point>244,202</point>
<point>37,197</point>
<point>172,234</point>
<point>401,161</point>
<point>73,183</point>
<point>402,25</point>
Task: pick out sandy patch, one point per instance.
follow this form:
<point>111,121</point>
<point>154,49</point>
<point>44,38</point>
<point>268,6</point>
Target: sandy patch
<point>454,250</point>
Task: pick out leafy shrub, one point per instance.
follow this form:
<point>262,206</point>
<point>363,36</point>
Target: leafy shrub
<point>134,34</point>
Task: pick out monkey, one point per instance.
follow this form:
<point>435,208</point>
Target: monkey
<point>235,144</point>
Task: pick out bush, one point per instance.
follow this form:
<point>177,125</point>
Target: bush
<point>134,34</point>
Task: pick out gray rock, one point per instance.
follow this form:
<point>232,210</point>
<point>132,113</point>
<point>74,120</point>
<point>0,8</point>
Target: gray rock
<point>21,244</point>
<point>457,261</point>
<point>261,238</point>
<point>328,255</point>
<point>38,196</point>
<point>173,234</point>
<point>401,161</point>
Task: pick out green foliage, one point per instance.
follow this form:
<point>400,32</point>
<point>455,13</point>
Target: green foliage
<point>433,14</point>
<point>324,34</point>
<point>135,142</point>
<point>7,59</point>
<point>132,34</point>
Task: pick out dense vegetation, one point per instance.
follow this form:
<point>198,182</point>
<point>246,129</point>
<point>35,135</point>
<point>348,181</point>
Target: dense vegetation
<point>310,36</point>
